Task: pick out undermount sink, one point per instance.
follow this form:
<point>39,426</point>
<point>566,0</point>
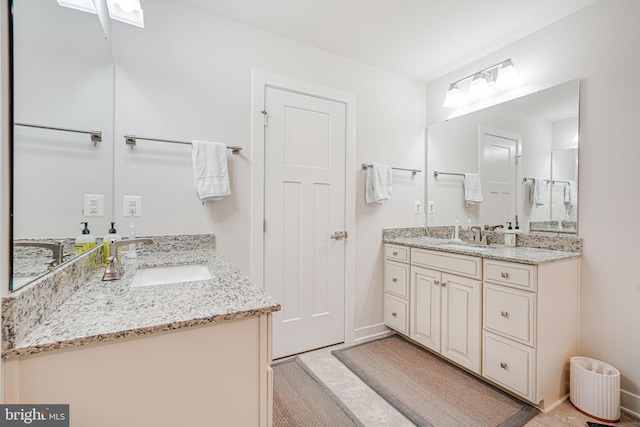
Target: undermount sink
<point>465,247</point>
<point>172,274</point>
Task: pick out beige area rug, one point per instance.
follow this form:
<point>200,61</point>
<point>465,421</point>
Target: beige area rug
<point>300,399</point>
<point>429,391</point>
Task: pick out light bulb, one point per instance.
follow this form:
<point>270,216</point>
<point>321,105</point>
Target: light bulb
<point>454,97</point>
<point>479,87</point>
<point>508,75</point>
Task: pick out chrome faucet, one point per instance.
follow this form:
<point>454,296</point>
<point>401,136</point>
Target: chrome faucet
<point>114,269</point>
<point>57,247</point>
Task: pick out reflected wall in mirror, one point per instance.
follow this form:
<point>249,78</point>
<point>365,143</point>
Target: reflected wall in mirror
<point>63,77</point>
<point>535,136</point>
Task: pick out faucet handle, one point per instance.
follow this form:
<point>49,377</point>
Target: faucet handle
<point>114,269</point>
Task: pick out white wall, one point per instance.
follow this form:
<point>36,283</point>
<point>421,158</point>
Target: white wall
<point>188,75</point>
<point>599,44</point>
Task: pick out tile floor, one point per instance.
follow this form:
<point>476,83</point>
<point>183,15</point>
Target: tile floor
<point>374,411</point>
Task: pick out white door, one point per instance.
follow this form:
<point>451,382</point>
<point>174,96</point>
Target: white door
<point>425,307</point>
<point>461,320</point>
<point>304,202</point>
<point>497,168</point>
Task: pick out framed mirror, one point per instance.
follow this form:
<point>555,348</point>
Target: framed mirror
<point>509,145</point>
<point>63,101</point>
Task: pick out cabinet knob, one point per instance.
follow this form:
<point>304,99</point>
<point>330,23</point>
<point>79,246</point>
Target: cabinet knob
<point>444,284</point>
<point>395,253</point>
<point>504,313</point>
<point>436,282</point>
<point>394,280</point>
<point>394,314</point>
<point>504,275</point>
<point>504,366</point>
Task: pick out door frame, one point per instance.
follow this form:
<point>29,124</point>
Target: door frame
<point>260,82</point>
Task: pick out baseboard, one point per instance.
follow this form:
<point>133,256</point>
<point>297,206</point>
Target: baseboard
<point>370,332</point>
<point>630,403</point>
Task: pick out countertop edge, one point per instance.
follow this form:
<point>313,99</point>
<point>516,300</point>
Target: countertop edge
<point>147,330</point>
<point>561,255</point>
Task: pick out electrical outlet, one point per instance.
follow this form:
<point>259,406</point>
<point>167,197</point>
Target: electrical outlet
<point>93,205</point>
<point>132,205</point>
<point>417,207</point>
<point>431,207</point>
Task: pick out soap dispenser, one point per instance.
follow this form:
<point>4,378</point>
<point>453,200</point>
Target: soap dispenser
<point>510,236</point>
<point>111,236</point>
<point>85,240</point>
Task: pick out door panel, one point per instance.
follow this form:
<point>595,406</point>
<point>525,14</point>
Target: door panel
<point>425,307</point>
<point>304,204</point>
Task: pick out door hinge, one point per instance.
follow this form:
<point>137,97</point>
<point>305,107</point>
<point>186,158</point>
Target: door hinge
<point>265,115</point>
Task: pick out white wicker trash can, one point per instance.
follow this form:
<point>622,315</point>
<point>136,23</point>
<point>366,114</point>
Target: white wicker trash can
<point>595,388</point>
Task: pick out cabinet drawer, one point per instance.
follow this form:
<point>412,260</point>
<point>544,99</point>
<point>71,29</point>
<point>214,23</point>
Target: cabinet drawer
<point>396,253</point>
<point>510,313</point>
<point>509,364</point>
<point>510,274</point>
<point>396,313</point>
<point>396,278</point>
<point>462,265</point>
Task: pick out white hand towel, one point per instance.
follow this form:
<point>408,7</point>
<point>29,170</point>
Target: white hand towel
<point>472,189</point>
<point>210,173</point>
<point>571,193</point>
<point>378,184</point>
<point>538,189</point>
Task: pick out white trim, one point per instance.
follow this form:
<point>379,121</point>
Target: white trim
<point>630,403</point>
<point>371,332</point>
<point>260,81</point>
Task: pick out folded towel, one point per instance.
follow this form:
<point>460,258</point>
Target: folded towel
<point>472,189</point>
<point>571,193</point>
<point>538,189</point>
<point>378,184</point>
<point>210,174</point>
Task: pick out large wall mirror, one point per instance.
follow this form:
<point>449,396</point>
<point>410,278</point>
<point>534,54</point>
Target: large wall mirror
<point>509,145</point>
<point>63,82</point>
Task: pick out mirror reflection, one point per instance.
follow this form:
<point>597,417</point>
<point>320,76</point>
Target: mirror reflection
<point>63,83</point>
<point>525,152</point>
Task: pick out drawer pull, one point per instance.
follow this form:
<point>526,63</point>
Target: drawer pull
<point>436,282</point>
<point>504,275</point>
<point>395,253</point>
<point>444,284</point>
<point>504,313</point>
<point>394,280</point>
<point>394,314</point>
<point>504,366</point>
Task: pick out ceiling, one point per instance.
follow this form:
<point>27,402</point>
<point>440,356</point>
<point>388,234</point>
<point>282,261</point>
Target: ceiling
<point>420,39</point>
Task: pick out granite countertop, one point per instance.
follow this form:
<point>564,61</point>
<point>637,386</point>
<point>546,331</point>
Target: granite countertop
<point>524,255</point>
<point>105,311</point>
<point>554,229</point>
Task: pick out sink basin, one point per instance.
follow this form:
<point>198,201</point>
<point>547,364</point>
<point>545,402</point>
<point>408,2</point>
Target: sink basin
<point>172,274</point>
<point>465,247</point>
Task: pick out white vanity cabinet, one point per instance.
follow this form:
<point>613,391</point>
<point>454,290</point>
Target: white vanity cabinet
<point>446,305</point>
<point>530,329</point>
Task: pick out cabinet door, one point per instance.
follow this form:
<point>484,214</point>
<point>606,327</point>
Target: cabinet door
<point>461,320</point>
<point>396,278</point>
<point>425,307</point>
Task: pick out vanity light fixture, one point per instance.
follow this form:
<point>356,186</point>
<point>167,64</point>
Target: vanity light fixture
<point>82,5</point>
<point>502,75</point>
<point>127,11</point>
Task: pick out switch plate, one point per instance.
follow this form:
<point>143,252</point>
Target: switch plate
<point>417,206</point>
<point>431,207</point>
<point>93,205</point>
<point>132,204</point>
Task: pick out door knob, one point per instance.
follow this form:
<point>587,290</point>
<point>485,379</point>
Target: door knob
<point>339,235</point>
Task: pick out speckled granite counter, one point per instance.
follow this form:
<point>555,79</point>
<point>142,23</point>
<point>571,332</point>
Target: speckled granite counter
<point>104,311</point>
<point>521,254</point>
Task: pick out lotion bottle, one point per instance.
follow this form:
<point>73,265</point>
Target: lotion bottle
<point>85,240</point>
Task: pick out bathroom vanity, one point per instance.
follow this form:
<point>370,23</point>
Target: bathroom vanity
<point>193,353</point>
<point>507,315</point>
